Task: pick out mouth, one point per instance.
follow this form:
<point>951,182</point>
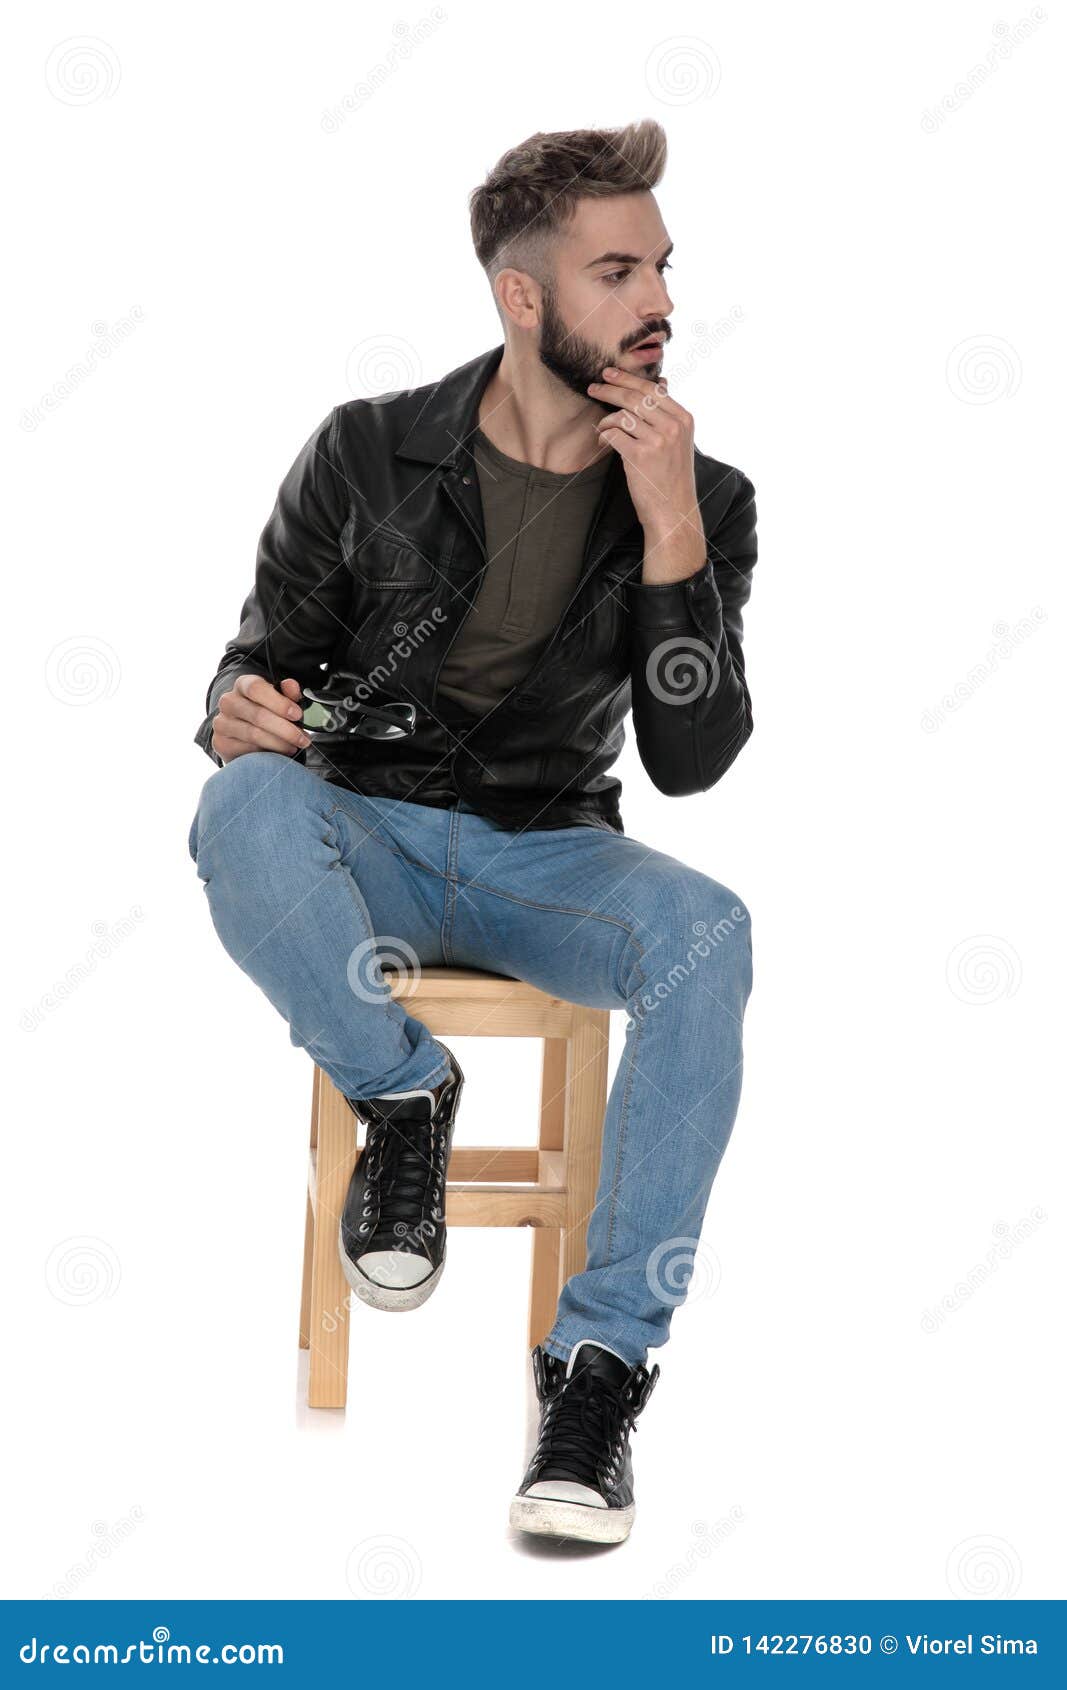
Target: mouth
<point>649,352</point>
<point>649,348</point>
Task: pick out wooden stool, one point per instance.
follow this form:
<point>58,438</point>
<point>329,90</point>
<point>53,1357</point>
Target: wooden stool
<point>550,1186</point>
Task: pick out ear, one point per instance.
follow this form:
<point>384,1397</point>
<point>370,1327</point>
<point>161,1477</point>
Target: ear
<point>518,298</point>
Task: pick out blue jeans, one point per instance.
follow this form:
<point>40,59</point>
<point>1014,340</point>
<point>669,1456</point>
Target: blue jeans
<point>313,888</point>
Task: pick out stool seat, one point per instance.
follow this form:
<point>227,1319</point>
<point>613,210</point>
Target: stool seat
<point>549,1186</point>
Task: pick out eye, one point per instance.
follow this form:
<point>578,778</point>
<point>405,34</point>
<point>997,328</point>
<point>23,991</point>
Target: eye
<point>614,277</point>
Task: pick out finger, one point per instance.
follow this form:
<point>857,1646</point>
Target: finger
<point>248,733</point>
<point>621,441</point>
<point>649,402</point>
<point>233,743</point>
<point>629,420</point>
<point>266,697</point>
<point>625,380</point>
<point>292,689</point>
<point>646,410</point>
<point>237,707</point>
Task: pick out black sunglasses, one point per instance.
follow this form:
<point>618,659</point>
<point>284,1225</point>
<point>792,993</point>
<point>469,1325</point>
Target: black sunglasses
<point>333,713</point>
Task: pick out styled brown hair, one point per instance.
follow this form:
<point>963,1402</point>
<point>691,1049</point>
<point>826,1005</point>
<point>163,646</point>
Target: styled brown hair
<point>531,193</point>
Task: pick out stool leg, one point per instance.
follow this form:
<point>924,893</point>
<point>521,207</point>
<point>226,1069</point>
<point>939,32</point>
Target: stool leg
<point>545,1276</point>
<point>309,1223</point>
<point>583,1124</point>
<point>305,1290</point>
<point>330,1296</point>
<point>544,1281</point>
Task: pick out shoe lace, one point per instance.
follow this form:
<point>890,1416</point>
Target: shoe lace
<point>583,1431</point>
<point>405,1175</point>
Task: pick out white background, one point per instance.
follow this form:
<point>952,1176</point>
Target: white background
<point>893,384</point>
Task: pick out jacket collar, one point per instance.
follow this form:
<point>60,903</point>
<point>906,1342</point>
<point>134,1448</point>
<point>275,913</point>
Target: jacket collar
<point>444,429</point>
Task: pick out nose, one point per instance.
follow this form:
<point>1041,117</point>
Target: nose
<point>657,305</point>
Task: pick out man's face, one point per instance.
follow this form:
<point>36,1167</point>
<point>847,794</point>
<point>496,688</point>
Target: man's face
<point>609,294</point>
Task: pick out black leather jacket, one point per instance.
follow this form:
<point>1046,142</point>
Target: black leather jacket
<point>374,553</point>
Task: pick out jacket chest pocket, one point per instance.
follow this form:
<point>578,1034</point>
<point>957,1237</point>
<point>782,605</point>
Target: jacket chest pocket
<point>381,556</point>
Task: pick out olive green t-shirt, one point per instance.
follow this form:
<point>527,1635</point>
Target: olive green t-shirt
<point>536,524</point>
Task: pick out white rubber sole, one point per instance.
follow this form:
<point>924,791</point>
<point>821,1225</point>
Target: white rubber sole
<point>396,1299</point>
<point>570,1519</point>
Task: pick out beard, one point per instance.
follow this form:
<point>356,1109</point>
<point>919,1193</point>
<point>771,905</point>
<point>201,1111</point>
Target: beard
<point>574,360</point>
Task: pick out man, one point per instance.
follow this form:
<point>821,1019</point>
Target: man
<point>520,552</point>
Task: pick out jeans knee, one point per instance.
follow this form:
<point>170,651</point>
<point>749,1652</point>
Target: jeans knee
<point>688,921</point>
<point>690,904</point>
<point>238,793</point>
<point>723,926</point>
<point>729,912</point>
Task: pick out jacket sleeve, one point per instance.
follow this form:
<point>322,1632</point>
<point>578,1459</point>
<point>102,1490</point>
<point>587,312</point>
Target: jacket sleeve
<point>691,707</point>
<point>302,595</point>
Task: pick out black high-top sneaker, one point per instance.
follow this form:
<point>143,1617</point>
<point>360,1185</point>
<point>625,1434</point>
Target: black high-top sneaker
<point>392,1233</point>
<point>580,1481</point>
